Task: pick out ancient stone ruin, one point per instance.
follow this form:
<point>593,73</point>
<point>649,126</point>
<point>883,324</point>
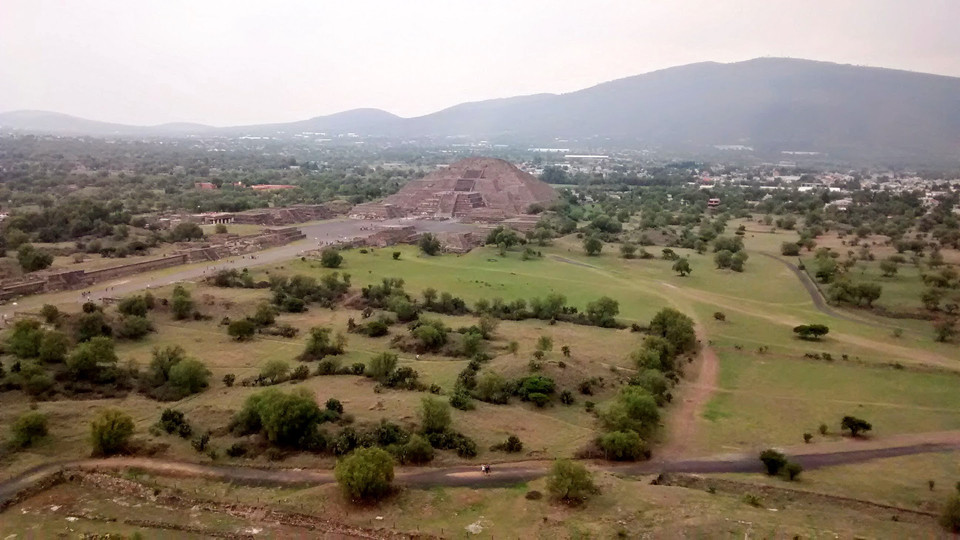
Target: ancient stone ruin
<point>473,189</point>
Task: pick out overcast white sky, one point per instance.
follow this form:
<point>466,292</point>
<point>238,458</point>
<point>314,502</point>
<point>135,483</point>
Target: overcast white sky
<point>228,62</point>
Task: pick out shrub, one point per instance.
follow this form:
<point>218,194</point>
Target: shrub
<point>330,258</point>
<point>434,415</point>
<point>53,347</point>
<point>28,429</point>
<point>570,482</point>
<point>229,379</point>
<point>773,460</point>
<point>417,451</point>
<point>396,255</point>
<point>622,445</point>
<point>110,432</point>
<point>133,327</point>
<point>381,366</point>
<point>807,437</point>
<point>50,314</point>
<point>189,376</point>
<point>792,470</point>
<point>366,474</point>
<point>334,405</point>
<point>720,316</point>
<point>241,329</point>
<point>950,518</point>
<point>429,244</point>
<point>275,371</point>
<point>511,445</point>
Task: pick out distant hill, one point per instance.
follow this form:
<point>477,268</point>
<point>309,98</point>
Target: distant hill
<point>771,104</point>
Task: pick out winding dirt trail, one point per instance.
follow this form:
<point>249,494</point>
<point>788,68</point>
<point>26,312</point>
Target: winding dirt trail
<point>682,418</point>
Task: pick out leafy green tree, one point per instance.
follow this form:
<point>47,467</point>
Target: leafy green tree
<point>434,415</point>
<point>50,314</point>
<point>275,371</point>
<point>382,366</point>
<point>53,347</point>
<point>110,432</point>
<point>241,329</point>
<point>738,260</point>
<point>24,341</point>
<point>622,445</point>
<point>811,332</point>
<point>320,344</point>
<point>592,246</point>
<point>365,475</point>
<point>603,311</point>
<point>32,259</point>
<point>133,305</point>
<point>429,244</point>
<point>628,250</point>
<point>676,328</point>
<point>186,231</point>
<point>265,315</point>
<point>417,450</point>
<point>331,258</point>
<point>88,359</point>
<point>790,249</point>
<point>634,409</point>
<point>889,268</point>
<point>91,325</point>
<point>190,376</point>
<point>28,428</point>
<point>682,266</point>
<point>181,303</point>
<point>856,426</point>
<point>570,482</point>
<point>723,258</point>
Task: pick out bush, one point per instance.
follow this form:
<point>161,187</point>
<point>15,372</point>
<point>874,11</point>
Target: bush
<point>110,432</point>
<point>229,379</point>
<point>53,347</point>
<point>511,445</point>
<point>133,327</point>
<point>396,255</point>
<point>950,518</point>
<point>28,429</point>
<point>174,421</point>
<point>773,460</point>
<point>622,445</point>
<point>790,249</point>
<point>189,376</point>
<point>275,371</point>
<point>330,258</point>
<point>570,482</point>
<point>334,405</point>
<point>287,420</point>
<point>417,451</point>
<point>241,329</point>
<point>365,475</point>
<point>434,415</point>
<point>792,470</point>
<point>381,366</point>
<point>429,244</point>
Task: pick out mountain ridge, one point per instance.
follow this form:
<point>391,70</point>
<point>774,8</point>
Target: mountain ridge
<point>767,102</point>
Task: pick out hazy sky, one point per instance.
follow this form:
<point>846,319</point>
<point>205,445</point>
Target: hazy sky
<point>237,61</point>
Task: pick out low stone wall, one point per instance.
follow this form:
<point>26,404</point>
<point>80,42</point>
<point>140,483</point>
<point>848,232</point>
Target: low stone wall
<point>77,279</point>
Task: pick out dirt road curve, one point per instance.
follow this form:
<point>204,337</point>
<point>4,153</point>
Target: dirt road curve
<point>818,300</point>
<point>811,456</point>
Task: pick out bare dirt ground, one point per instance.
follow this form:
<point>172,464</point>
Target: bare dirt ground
<point>681,421</point>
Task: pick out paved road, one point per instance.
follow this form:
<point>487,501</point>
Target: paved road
<point>811,456</point>
<point>325,231</point>
<point>818,300</point>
